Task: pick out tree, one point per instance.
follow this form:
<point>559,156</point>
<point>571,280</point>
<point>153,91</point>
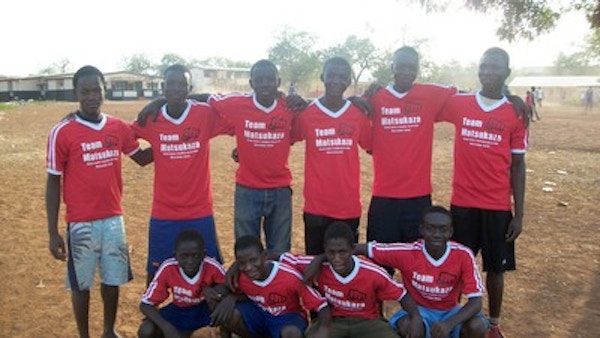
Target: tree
<point>60,67</point>
<point>524,19</point>
<point>574,64</point>
<point>170,59</point>
<point>361,54</point>
<point>380,70</point>
<point>294,55</point>
<point>139,63</point>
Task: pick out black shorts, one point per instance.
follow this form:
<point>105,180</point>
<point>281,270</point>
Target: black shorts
<point>393,220</point>
<point>314,231</point>
<point>485,230</point>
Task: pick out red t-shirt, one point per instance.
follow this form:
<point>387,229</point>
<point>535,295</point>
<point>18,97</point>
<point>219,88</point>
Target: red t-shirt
<point>403,139</point>
<point>434,284</point>
<point>170,280</point>
<point>263,139</point>
<point>332,164</point>
<point>487,134</point>
<point>359,294</point>
<point>181,148</point>
<point>281,292</point>
<point>88,156</point>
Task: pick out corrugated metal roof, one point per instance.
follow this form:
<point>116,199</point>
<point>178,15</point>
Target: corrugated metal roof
<point>555,81</point>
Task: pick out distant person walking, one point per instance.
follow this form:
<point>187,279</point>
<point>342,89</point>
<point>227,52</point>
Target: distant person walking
<point>534,111</point>
<point>530,104</point>
<point>588,99</point>
<point>539,96</point>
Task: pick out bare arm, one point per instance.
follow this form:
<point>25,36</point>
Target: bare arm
<point>416,322</point>
<point>470,309</point>
<point>361,249</point>
<point>143,157</point>
<point>517,180</point>
<point>199,97</point>
<point>152,313</point>
<point>324,318</point>
<point>56,243</point>
<point>521,108</point>
<point>311,273</point>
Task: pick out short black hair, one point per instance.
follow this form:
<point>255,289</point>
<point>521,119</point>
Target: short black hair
<point>248,241</point>
<point>435,209</point>
<point>178,68</point>
<point>337,60</point>
<point>339,229</point>
<point>499,52</point>
<point>407,50</point>
<point>264,63</point>
<point>189,235</point>
<point>85,71</point>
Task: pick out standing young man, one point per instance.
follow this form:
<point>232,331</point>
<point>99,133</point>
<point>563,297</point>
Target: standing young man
<point>180,141</point>
<point>404,114</point>
<point>333,130</point>
<point>262,124</point>
<point>85,151</point>
<point>489,167</point>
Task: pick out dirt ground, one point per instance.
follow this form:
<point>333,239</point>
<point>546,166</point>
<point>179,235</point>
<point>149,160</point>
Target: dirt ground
<point>554,293</point>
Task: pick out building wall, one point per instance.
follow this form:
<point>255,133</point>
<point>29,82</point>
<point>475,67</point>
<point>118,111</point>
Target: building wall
<point>120,85</point>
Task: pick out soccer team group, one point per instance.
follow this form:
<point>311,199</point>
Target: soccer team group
<point>337,287</point>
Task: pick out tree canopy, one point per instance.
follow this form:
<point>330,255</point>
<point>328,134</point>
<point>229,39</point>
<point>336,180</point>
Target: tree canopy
<point>524,19</point>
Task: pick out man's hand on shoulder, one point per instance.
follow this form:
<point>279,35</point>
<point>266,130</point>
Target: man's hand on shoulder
<point>151,108</point>
<point>373,88</point>
<point>295,103</point>
<point>362,104</point>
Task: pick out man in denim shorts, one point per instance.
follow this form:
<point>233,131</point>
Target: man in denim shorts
<point>85,150</point>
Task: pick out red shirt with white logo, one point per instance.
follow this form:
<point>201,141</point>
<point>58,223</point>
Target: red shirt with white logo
<point>181,149</point>
<point>88,156</point>
<point>171,281</point>
<point>263,139</point>
<point>403,138</point>
<point>487,133</point>
<point>359,294</point>
<point>281,291</point>
<point>434,284</point>
<point>332,164</point>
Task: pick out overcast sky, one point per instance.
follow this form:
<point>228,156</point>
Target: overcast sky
<point>38,33</point>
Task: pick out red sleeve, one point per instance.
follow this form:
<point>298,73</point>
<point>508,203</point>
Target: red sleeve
<point>130,142</point>
<point>138,131</point>
<point>388,289</point>
<point>472,285</point>
<point>298,262</point>
<point>387,254</point>
<point>519,138</point>
<point>311,298</point>
<point>220,125</point>
<point>158,290</point>
<point>447,114</point>
<point>365,138</point>
<point>57,151</point>
<point>216,273</point>
<point>444,94</point>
